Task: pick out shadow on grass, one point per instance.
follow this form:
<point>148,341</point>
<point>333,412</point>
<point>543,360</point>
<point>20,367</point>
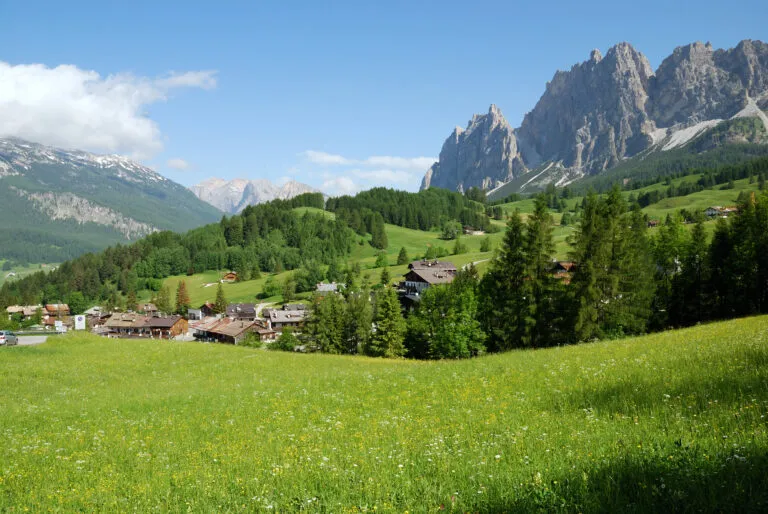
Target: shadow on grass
<point>644,392</point>
<point>684,481</point>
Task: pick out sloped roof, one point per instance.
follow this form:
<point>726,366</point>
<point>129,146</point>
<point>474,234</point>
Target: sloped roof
<point>432,265</point>
<point>162,321</point>
<point>432,276</point>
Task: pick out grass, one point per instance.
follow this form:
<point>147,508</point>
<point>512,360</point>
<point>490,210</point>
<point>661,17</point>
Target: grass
<point>22,271</point>
<point>668,422</point>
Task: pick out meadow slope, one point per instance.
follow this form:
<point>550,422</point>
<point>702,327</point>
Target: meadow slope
<point>669,422</point>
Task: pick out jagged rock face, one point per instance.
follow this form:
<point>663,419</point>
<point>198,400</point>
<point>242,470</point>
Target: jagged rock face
<point>483,155</point>
<point>593,115</point>
<point>608,109</point>
<point>235,195</point>
<point>690,87</point>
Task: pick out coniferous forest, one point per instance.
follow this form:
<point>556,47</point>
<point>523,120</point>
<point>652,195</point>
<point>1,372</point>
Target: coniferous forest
<point>618,280</point>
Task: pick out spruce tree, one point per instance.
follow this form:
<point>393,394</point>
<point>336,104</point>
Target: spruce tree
<point>387,339</point>
<point>163,300</point>
<point>182,298</point>
<point>503,291</point>
<point>220,305</point>
<point>358,316</point>
<point>402,257</point>
<point>385,277</point>
<point>540,312</point>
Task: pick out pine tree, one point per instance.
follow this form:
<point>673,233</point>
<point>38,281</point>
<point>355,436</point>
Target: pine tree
<point>325,326</point>
<point>163,300</point>
<point>689,296</point>
<point>503,291</point>
<point>130,302</point>
<point>587,253</point>
<point>220,305</point>
<point>182,298</point>
<point>540,311</point>
<point>379,233</point>
<point>387,339</point>
<point>385,278</point>
<point>358,316</point>
<point>402,257</point>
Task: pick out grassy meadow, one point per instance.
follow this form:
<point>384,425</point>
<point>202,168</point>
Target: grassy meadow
<point>669,422</point>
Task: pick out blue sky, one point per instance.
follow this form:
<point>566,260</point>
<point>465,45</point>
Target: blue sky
<point>341,95</point>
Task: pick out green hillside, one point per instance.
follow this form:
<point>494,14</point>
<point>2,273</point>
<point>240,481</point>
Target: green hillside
<point>59,204</point>
<point>664,423</point>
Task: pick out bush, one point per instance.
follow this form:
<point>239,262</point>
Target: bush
<point>287,342</point>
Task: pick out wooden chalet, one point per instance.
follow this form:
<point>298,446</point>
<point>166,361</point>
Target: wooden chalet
<point>231,331</point>
<point>148,309</point>
<point>229,277</point>
<point>289,316</point>
<point>202,312</point>
<point>422,274</point>
<point>131,324</point>
<point>242,311</point>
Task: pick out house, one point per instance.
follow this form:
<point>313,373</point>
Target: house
<point>229,277</point>
<point>324,288</point>
<point>229,330</point>
<point>266,335</point>
<point>165,327</point>
<point>422,274</point>
<point>26,311</point>
<point>202,312</point>
<point>721,211</point>
<point>131,324</point>
<point>148,309</point>
<point>472,231</point>
<point>277,319</point>
<point>242,311</point>
<point>563,270</point>
<point>294,307</point>
<point>125,324</point>
<point>653,223</point>
<point>57,310</point>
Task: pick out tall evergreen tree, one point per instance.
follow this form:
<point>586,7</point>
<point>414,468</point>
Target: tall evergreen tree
<point>504,289</point>
<point>220,305</point>
<point>541,313</point>
<point>402,257</point>
<point>690,296</point>
<point>325,326</point>
<point>387,339</point>
<point>163,300</point>
<point>182,298</point>
<point>358,316</point>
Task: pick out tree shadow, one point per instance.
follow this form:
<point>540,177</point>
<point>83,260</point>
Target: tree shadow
<point>689,481</point>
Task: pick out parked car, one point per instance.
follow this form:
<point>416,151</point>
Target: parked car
<point>8,338</point>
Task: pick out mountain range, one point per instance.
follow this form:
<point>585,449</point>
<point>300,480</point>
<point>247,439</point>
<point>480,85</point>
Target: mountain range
<point>57,204</point>
<point>609,109</point>
<point>232,196</point>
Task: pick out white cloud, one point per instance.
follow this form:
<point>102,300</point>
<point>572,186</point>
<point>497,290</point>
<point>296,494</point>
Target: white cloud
<point>420,164</point>
<point>340,186</point>
<point>74,108</point>
<point>326,158</point>
<point>397,176</point>
<point>177,164</point>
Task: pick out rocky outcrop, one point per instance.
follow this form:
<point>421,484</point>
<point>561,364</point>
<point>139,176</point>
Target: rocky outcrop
<point>593,115</point>
<point>232,196</point>
<point>66,206</point>
<point>607,109</point>
<point>485,154</point>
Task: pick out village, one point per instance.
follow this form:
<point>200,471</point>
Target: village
<point>240,322</point>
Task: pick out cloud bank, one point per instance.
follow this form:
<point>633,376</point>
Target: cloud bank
<point>74,108</point>
<point>353,175</point>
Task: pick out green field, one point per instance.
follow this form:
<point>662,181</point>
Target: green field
<point>22,271</point>
<point>668,422</point>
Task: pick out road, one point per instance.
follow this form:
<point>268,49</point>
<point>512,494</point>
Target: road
<point>31,340</point>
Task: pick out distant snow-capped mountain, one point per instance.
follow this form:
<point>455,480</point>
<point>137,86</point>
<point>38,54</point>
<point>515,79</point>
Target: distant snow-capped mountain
<point>60,203</point>
<point>232,196</point>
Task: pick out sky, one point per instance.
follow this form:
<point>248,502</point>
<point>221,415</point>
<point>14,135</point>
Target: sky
<point>340,95</point>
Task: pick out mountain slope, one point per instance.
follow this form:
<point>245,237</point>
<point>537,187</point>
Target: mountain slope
<point>59,203</point>
<point>232,196</point>
<point>606,110</point>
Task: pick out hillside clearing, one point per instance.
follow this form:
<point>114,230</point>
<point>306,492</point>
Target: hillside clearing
<point>668,422</point>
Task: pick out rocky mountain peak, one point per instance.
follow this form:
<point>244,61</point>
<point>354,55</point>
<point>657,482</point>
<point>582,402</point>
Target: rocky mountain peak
<point>232,196</point>
<point>607,109</point>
